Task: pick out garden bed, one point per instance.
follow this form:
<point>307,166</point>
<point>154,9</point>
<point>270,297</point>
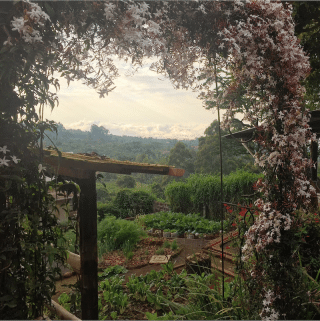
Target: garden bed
<point>142,253</point>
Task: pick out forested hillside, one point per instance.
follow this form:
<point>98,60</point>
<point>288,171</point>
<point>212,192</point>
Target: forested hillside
<point>99,140</point>
<point>200,155</point>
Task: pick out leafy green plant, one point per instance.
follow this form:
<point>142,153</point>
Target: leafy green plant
<point>160,251</point>
<point>166,244</point>
<point>113,296</point>
<point>174,245</point>
<point>181,222</point>
<point>112,271</point>
<point>64,299</point>
<point>107,209</point>
<point>116,233</point>
<point>138,288</point>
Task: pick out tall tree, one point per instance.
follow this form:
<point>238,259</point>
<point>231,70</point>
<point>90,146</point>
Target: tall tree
<point>234,155</point>
<point>307,18</point>
<point>182,157</point>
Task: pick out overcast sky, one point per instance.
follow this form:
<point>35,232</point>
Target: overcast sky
<point>145,104</point>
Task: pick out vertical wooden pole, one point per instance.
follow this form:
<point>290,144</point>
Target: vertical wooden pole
<point>314,158</point>
<point>88,247</point>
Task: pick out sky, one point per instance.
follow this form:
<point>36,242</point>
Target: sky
<point>145,105</point>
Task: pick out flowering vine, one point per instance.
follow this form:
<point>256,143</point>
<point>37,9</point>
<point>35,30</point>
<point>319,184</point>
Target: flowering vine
<point>254,42</point>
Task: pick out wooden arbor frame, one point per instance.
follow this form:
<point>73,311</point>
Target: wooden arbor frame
<point>83,168</point>
<point>247,135</point>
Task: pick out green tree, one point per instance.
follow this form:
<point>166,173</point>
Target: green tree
<point>234,155</point>
<point>182,157</point>
<point>98,132</point>
<point>126,181</point>
<point>306,15</point>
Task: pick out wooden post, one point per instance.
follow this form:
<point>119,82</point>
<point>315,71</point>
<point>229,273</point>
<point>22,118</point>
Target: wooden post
<point>88,247</point>
<point>314,158</point>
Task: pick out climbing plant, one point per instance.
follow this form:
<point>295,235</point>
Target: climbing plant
<point>254,41</point>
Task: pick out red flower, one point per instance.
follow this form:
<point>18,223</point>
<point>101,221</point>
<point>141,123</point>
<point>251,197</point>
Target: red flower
<point>234,224</point>
<point>227,247</point>
<point>243,212</point>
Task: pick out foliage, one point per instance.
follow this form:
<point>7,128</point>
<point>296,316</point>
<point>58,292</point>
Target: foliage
<point>126,181</point>
<point>68,240</point>
<point>179,221</point>
<point>142,150</point>
<point>102,193</point>
<point>182,157</point>
<point>29,231</point>
<point>108,209</point>
<point>179,196</point>
<point>201,192</point>
<point>157,190</point>
<point>132,203</point>
<point>114,234</point>
<point>234,155</point>
<point>307,27</point>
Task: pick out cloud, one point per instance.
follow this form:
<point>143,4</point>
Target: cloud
<point>140,105</point>
<point>174,131</point>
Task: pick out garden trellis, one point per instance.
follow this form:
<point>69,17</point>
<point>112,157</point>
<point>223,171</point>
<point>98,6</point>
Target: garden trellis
<point>82,169</point>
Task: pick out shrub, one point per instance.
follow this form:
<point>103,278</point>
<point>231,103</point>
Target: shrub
<point>157,190</point>
<point>180,222</point>
<point>105,209</point>
<point>68,240</point>
<point>116,234</point>
<point>179,197</point>
<point>126,181</point>
<point>102,192</point>
<point>132,203</point>
<point>202,192</point>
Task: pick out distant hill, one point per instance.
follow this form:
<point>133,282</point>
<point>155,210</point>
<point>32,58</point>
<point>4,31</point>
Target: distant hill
<point>99,140</point>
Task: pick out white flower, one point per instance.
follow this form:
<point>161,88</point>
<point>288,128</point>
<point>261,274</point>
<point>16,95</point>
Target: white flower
<point>15,159</point>
<point>4,149</point>
<point>41,168</point>
<point>221,46</point>
<point>4,161</point>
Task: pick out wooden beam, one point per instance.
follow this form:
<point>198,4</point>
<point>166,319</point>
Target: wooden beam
<point>75,165</point>
<point>70,172</point>
<point>88,247</point>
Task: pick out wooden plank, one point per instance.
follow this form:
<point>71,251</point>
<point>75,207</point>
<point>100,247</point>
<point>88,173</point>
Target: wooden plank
<point>70,162</point>
<point>176,172</point>
<point>88,247</point>
<point>160,259</point>
<point>67,171</point>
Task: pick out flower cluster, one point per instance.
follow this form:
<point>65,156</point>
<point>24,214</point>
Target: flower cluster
<point>4,161</point>
<point>33,16</point>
